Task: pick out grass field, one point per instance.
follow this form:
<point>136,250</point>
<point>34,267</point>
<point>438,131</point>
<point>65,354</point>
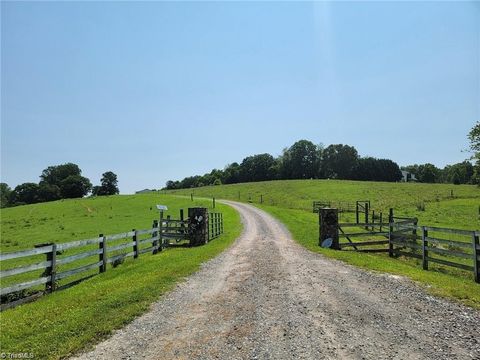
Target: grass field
<point>66,321</point>
<point>291,203</point>
<point>461,211</point>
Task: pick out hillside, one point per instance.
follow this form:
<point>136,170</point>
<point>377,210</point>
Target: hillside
<point>441,209</point>
<point>63,322</point>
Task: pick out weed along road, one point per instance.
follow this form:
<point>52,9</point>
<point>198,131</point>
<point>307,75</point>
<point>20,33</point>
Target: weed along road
<point>268,298</point>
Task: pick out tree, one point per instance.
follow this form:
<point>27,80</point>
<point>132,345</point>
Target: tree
<point>5,194</point>
<point>108,185</point>
<point>460,173</point>
<point>474,138</point>
<point>26,193</point>
<point>257,168</point>
<point>68,178</point>
<point>54,175</point>
<point>339,161</point>
<point>47,192</point>
<point>372,169</point>
<point>300,160</point>
<point>428,173</point>
<point>231,174</point>
<point>75,186</point>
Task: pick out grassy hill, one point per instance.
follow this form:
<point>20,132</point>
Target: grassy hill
<point>66,321</point>
<point>440,208</point>
<point>433,204</point>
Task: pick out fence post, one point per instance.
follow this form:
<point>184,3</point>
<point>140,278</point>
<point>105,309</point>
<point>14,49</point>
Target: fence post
<point>51,270</point>
<point>102,245</point>
<point>154,234</point>
<point>214,202</point>
<point>215,221</point>
<point>390,232</point>
<point>366,215</point>
<point>191,196</point>
<point>261,199</point>
<point>373,220</point>
<point>221,223</point>
<point>356,213</point>
<point>424,248</point>
<point>160,231</point>
<point>476,255</point>
<point>381,221</point>
<point>135,244</point>
<point>414,231</point>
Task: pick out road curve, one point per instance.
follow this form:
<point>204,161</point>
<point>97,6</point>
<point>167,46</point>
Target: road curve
<point>268,298</point>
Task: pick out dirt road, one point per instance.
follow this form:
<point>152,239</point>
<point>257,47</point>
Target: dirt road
<point>268,298</point>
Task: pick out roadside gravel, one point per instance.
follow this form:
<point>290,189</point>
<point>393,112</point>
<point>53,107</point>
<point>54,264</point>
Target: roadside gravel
<point>268,298</point>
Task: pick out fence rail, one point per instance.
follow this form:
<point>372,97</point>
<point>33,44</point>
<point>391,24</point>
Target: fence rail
<point>404,237</point>
<point>111,249</point>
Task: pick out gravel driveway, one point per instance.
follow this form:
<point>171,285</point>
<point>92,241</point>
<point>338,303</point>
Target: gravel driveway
<point>268,298</point>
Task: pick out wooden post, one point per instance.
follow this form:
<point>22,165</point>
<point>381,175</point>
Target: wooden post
<point>160,232</point>
<point>476,256</point>
<point>356,213</point>
<point>214,202</point>
<point>328,222</point>
<point>424,248</point>
<point>221,219</point>
<point>103,255</point>
<point>135,244</point>
<point>239,195</point>
<point>51,270</point>
<point>366,215</point>
<point>261,199</point>
<point>390,232</point>
<point>191,196</point>
<point>182,225</point>
<point>154,234</point>
<point>381,221</point>
<point>373,220</point>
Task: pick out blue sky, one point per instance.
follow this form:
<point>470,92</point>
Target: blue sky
<point>156,91</point>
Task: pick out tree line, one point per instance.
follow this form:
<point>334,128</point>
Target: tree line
<point>305,160</point>
<point>302,160</point>
<point>57,182</point>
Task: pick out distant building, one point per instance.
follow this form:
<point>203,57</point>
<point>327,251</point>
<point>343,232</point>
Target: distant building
<point>408,176</point>
<point>144,191</point>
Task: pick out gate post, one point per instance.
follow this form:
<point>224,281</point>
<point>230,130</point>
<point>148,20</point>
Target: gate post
<point>198,226</point>
<point>328,221</point>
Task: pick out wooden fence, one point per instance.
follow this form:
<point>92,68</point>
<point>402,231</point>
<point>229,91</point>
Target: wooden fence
<point>401,236</point>
<point>215,225</point>
<point>81,259</point>
<point>435,245</point>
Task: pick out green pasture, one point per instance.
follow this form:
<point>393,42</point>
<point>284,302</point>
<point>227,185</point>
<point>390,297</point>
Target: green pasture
<point>438,205</point>
<point>64,322</point>
<point>433,204</point>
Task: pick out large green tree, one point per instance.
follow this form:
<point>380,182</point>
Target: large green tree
<point>300,161</point>
<point>75,186</point>
<point>5,194</point>
<point>339,161</point>
<point>26,193</point>
<point>66,177</point>
<point>257,168</point>
<point>109,185</point>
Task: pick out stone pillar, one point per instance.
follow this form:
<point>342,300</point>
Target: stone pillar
<point>328,220</point>
<point>198,226</point>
